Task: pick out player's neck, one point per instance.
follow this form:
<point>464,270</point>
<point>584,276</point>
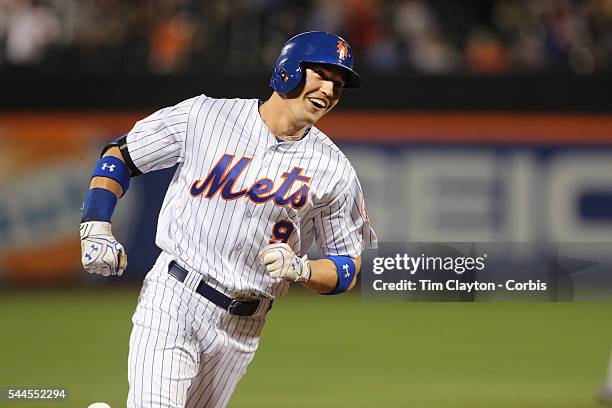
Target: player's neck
<point>279,121</point>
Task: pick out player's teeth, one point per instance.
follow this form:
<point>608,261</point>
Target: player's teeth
<point>318,102</point>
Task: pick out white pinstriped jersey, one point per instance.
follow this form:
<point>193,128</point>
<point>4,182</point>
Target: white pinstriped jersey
<point>237,188</point>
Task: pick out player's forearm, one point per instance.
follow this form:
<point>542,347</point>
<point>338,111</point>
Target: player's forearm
<point>101,253</point>
<point>107,183</point>
<point>110,180</point>
<point>324,275</point>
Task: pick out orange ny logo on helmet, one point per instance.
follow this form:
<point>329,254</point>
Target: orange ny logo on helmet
<point>342,50</point>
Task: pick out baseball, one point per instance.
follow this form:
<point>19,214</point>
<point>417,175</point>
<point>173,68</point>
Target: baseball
<point>99,405</point>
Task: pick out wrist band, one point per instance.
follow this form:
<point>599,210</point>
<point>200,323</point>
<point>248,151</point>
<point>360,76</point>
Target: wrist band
<point>99,205</point>
<point>345,267</point>
<point>113,168</point>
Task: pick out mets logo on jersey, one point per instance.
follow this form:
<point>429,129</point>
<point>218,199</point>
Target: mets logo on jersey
<point>342,50</point>
<point>223,176</point>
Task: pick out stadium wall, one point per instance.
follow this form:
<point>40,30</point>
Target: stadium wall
<point>427,176</point>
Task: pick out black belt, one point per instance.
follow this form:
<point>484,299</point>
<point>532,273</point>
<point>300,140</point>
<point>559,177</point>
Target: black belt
<point>235,307</point>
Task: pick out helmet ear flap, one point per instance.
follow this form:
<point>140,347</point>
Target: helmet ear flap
<point>284,80</point>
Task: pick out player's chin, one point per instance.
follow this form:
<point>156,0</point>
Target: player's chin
<point>314,114</point>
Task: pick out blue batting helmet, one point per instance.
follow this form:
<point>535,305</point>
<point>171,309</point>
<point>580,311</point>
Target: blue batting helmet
<point>315,47</point>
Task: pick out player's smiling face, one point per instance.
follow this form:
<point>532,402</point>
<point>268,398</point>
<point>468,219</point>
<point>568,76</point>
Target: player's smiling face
<point>321,92</point>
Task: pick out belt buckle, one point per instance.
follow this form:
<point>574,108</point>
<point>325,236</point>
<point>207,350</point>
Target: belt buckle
<point>251,305</point>
<point>230,307</point>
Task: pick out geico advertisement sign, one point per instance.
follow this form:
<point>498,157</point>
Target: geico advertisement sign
<point>484,194</point>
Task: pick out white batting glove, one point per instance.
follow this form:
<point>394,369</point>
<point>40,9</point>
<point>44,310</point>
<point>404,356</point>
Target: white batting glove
<point>282,262</point>
<point>100,252</point>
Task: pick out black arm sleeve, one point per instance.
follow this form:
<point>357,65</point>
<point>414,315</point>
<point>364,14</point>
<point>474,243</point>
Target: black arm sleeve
<point>121,143</point>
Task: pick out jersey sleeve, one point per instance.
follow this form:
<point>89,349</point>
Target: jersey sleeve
<point>343,228</point>
<point>158,141</point>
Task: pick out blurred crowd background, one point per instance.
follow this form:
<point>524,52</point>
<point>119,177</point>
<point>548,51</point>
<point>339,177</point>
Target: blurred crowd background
<point>242,37</point>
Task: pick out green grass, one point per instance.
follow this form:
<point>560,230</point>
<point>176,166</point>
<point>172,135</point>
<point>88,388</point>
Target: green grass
<point>332,351</point>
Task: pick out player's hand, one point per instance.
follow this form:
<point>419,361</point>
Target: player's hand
<point>100,252</point>
<point>282,262</point>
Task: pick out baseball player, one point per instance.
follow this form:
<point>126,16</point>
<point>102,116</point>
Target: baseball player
<point>256,184</point>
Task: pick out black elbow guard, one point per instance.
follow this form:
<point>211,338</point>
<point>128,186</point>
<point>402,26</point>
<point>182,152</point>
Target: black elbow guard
<point>121,143</point>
